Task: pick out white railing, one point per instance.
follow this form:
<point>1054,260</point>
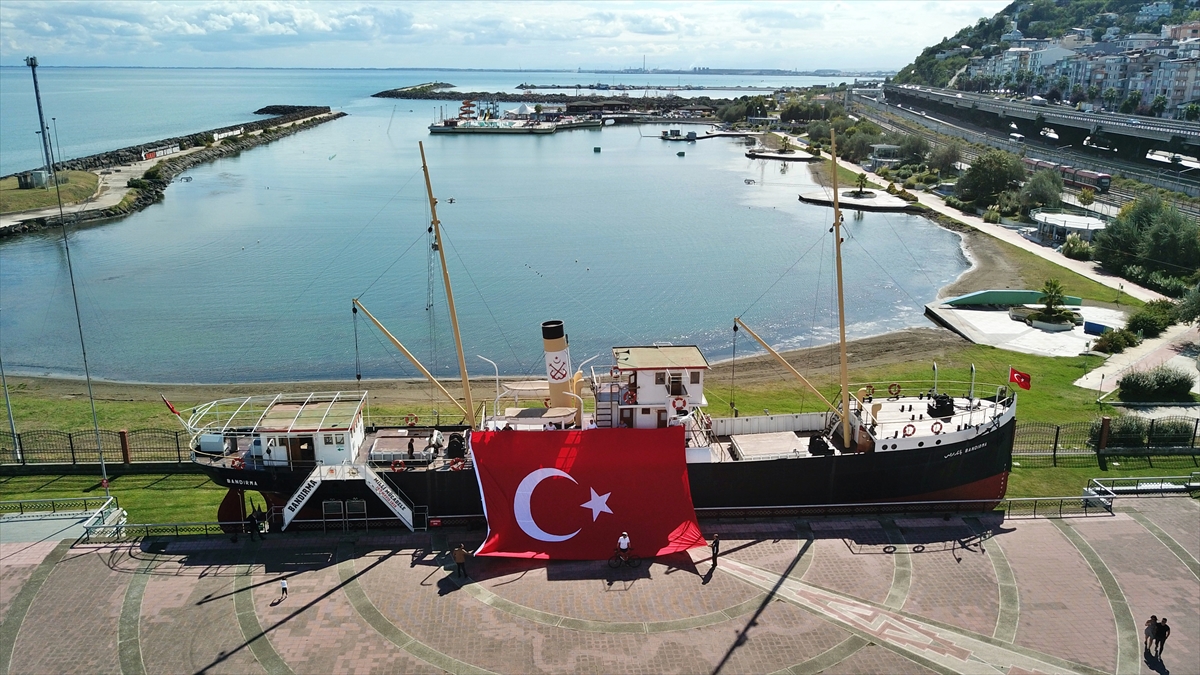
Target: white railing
<point>761,424</point>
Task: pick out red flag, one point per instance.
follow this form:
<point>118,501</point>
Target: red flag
<point>568,495</point>
<point>1022,379</point>
<point>173,410</point>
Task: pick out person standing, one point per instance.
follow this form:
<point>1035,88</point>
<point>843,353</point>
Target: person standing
<point>1151,631</point>
<point>283,588</point>
<point>623,545</point>
<point>716,548</point>
<point>412,452</point>
<point>460,560</point>
<point>1160,636</point>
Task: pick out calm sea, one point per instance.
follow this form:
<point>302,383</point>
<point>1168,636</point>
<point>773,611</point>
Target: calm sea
<point>246,272</point>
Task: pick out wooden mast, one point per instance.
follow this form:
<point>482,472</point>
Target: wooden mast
<point>837,247</point>
<point>437,235</point>
<point>787,365</point>
<point>412,358</point>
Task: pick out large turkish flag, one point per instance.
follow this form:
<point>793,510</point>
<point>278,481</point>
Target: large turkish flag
<point>568,495</point>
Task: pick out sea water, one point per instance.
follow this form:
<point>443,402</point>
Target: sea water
<point>247,271</point>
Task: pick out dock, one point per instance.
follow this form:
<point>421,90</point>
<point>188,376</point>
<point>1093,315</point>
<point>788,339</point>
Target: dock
<point>873,200</point>
<point>783,157</point>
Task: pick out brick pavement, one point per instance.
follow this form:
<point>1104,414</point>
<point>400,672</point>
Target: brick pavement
<point>17,562</point>
<point>390,604</point>
<point>1178,518</point>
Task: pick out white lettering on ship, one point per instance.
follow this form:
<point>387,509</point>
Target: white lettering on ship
<point>309,486</point>
<point>964,450</point>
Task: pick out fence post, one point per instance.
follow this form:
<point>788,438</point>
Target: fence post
<point>25,460</point>
<point>1150,435</point>
<point>178,451</point>
<point>71,443</point>
<point>124,436</point>
<point>1054,455</point>
<point>1195,432</point>
<point>1105,427</point>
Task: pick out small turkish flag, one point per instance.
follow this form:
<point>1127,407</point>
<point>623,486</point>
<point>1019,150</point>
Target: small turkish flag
<point>173,410</point>
<point>1022,379</point>
<point>568,495</point>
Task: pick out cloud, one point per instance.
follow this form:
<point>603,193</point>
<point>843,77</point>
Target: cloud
<point>377,33</point>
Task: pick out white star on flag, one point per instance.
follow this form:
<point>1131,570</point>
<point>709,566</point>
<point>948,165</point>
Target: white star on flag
<point>598,504</point>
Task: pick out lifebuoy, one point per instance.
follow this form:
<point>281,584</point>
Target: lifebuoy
<point>397,465</point>
<point>894,389</point>
<point>629,397</point>
<point>546,402</point>
<point>238,463</point>
<point>870,390</point>
<point>411,420</point>
<point>457,464</point>
<point>936,427</point>
<point>909,430</point>
<point>679,403</point>
<point>614,372</point>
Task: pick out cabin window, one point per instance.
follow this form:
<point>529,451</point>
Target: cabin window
<point>283,441</point>
<point>340,439</point>
<point>645,411</point>
<point>660,378</point>
<point>328,439</point>
<point>677,385</point>
<point>695,377</point>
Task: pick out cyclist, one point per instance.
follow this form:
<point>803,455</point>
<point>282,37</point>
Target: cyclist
<point>623,545</point>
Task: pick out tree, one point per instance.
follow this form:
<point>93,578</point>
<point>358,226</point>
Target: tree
<point>992,173</point>
<point>1093,92</point>
<point>1111,96</point>
<point>1053,297</point>
<point>1087,196</point>
<point>1043,189</point>
<point>862,183</point>
<point>944,158</point>
<point>913,149</point>
<point>1131,102</point>
<point>1158,106</point>
<point>1171,244</point>
<point>1188,309</point>
<point>1191,112</point>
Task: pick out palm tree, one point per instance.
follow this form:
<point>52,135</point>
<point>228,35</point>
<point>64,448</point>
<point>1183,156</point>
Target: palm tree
<point>1053,297</point>
<point>862,183</point>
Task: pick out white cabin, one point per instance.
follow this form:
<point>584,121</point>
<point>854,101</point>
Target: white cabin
<point>652,385</point>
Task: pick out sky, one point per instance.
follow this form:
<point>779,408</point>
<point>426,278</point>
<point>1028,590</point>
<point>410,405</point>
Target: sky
<point>862,34</point>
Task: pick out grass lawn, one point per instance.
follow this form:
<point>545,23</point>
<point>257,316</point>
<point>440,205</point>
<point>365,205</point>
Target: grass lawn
<point>79,186</point>
<point>1070,481</point>
<point>148,498</point>
<point>1052,398</point>
<point>1036,270</point>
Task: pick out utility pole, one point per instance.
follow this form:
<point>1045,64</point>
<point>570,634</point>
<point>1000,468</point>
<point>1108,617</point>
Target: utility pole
<point>32,62</point>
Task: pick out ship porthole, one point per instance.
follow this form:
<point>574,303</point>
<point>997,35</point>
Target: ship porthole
<point>921,444</point>
<point>937,442</point>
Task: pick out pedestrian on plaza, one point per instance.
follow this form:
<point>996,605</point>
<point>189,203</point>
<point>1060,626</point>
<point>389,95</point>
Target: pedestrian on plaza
<point>252,525</point>
<point>1151,631</point>
<point>716,548</point>
<point>411,451</point>
<point>460,560</point>
<point>283,588</point>
<point>1160,636</point>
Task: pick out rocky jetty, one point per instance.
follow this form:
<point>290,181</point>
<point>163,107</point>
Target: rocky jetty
<point>643,102</point>
<point>150,188</point>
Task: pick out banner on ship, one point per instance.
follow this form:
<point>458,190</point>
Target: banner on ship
<point>568,495</point>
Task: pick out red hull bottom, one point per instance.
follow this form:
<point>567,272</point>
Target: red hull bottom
<point>990,488</point>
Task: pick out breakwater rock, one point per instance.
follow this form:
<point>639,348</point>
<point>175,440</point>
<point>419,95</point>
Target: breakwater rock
<point>647,102</point>
<point>150,187</point>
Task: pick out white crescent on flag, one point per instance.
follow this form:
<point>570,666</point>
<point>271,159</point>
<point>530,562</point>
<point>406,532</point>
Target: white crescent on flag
<point>521,505</point>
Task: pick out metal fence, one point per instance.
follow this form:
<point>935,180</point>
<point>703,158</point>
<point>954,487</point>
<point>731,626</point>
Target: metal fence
<point>65,505</point>
<point>49,446</point>
<point>1035,443</point>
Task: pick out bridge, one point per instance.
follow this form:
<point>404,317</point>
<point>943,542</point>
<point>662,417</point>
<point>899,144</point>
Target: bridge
<point>1130,137</point>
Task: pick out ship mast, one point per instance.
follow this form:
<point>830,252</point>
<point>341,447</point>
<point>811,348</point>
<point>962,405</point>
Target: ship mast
<point>437,236</point>
<point>837,247</point>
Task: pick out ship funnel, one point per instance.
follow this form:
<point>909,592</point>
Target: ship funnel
<point>558,363</point>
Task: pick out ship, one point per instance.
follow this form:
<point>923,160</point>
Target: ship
<point>316,458</point>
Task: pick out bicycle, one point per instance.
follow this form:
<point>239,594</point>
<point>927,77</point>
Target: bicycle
<point>627,558</point>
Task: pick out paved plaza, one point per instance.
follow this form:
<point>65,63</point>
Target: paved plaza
<point>833,595</point>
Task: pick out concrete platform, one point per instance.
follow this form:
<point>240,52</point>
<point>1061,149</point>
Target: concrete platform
<point>879,201</point>
<point>839,595</point>
<point>994,327</point>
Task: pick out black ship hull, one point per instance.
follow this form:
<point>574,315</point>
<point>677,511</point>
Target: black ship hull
<point>975,469</point>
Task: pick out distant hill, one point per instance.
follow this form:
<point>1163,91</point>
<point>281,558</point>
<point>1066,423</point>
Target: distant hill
<point>1038,19</point>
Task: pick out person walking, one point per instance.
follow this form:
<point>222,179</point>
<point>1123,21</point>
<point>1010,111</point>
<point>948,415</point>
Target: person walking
<point>716,548</point>
<point>460,560</point>
<point>283,588</point>
<point>1160,636</point>
<point>411,450</point>
<point>252,525</point>
<point>1151,631</point>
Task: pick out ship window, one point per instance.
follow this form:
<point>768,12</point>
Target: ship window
<point>676,388</point>
<point>328,439</point>
<point>660,378</point>
<point>695,377</point>
<point>340,439</point>
<point>645,411</point>
<point>921,444</point>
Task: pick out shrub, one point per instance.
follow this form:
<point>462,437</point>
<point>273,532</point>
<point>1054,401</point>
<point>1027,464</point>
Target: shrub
<point>991,216</point>
<point>910,183</point>
<point>137,184</point>
<point>1126,431</point>
<point>1162,383</point>
<point>1087,196</point>
<point>1152,319</point>
<point>1076,248</point>
<point>1115,341</point>
<point>1169,433</point>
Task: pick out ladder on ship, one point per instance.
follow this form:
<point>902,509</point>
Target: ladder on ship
<point>412,517</point>
<point>606,395</point>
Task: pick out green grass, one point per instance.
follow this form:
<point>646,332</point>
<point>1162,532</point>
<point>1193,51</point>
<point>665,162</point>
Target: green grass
<point>1070,481</point>
<point>1035,270</point>
<point>1052,398</point>
<point>79,186</point>
<point>148,498</point>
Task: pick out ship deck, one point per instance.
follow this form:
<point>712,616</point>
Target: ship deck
<point>895,414</point>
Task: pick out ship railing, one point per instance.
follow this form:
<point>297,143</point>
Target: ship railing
<point>104,534</point>
<point>1144,486</point>
<point>1016,507</point>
